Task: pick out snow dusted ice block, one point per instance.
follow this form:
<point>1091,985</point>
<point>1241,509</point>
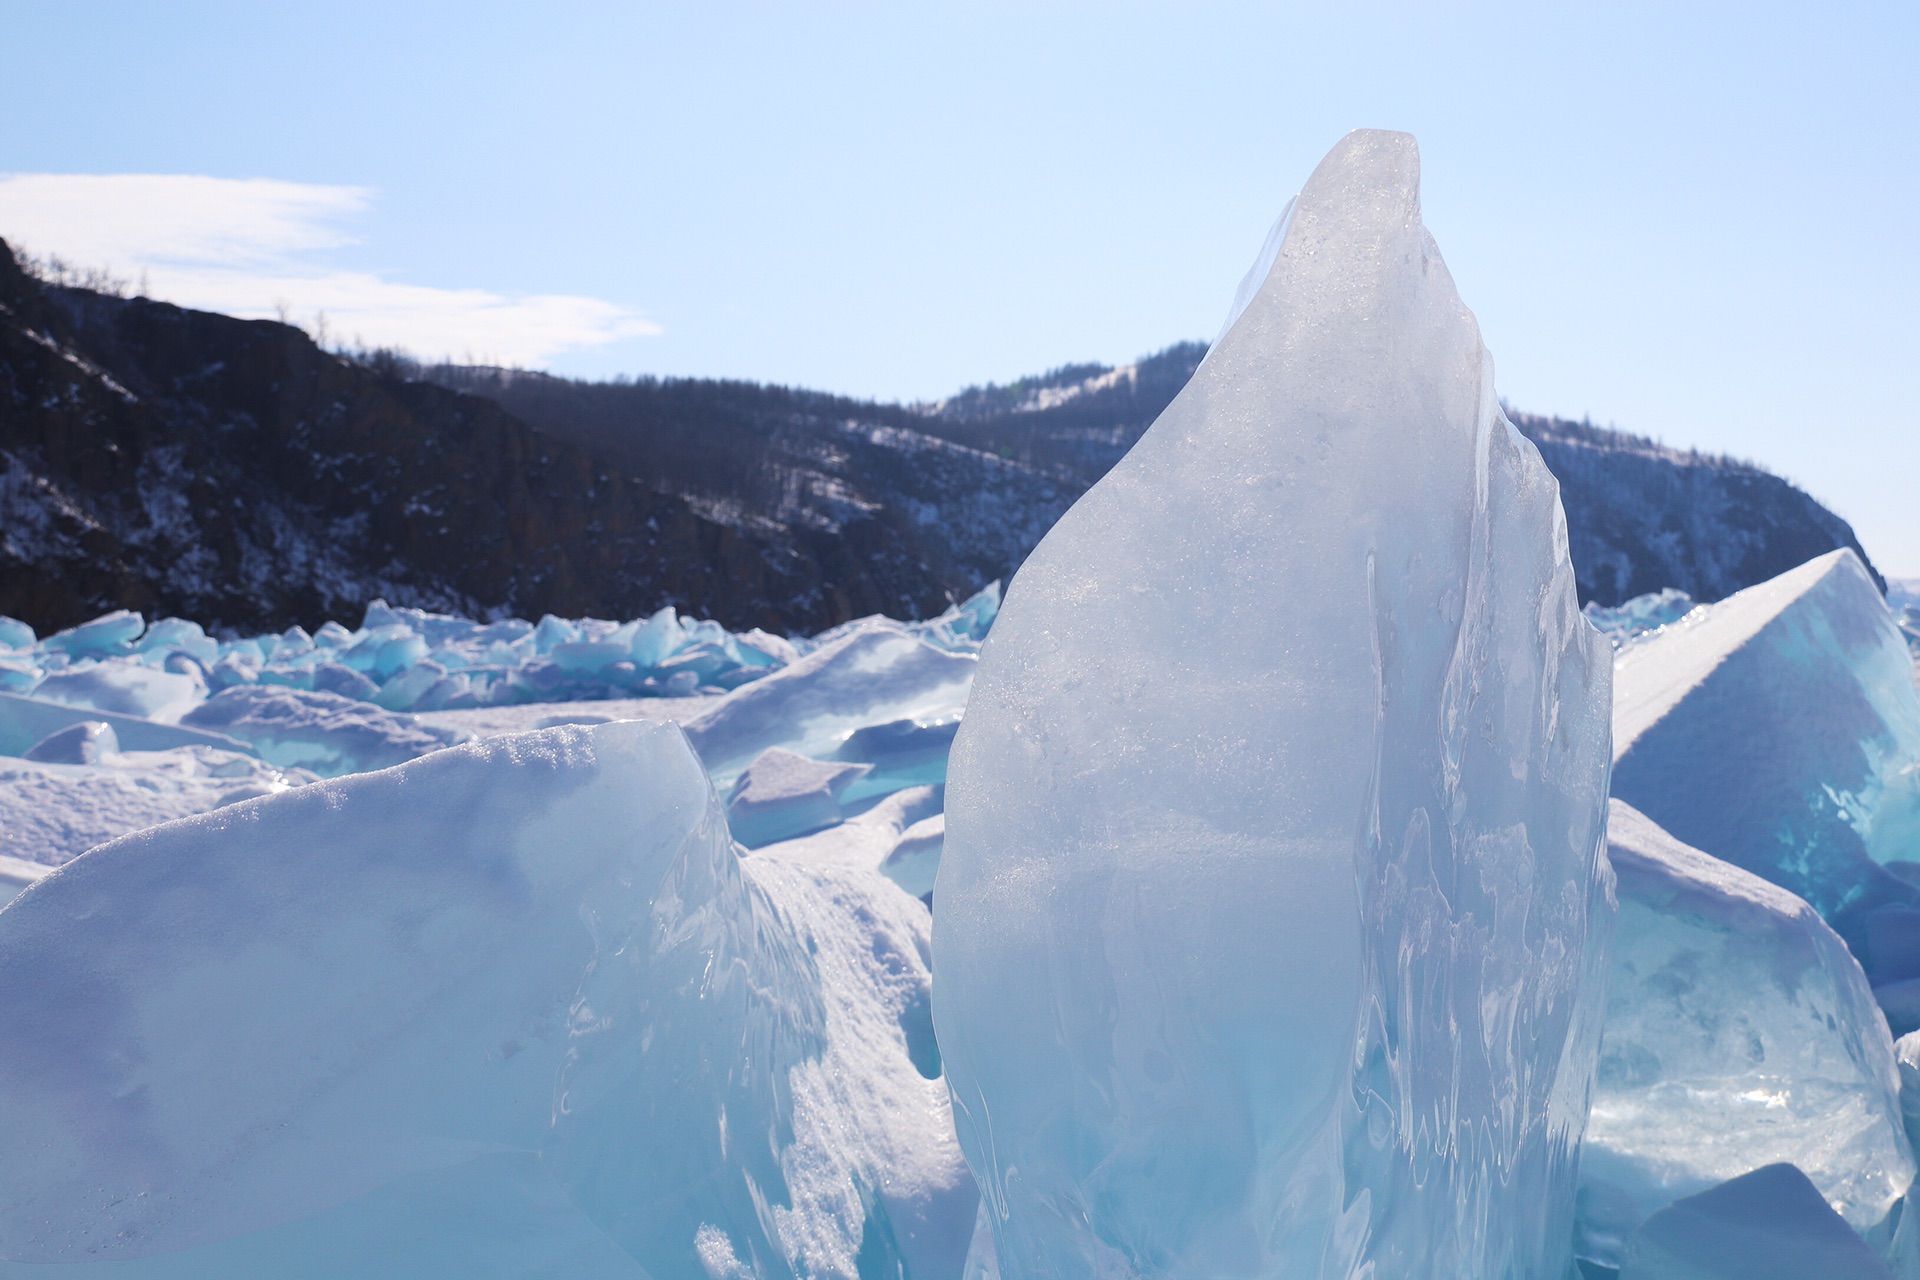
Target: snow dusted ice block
<point>782,795</point>
<point>25,722</point>
<point>1740,1032</point>
<point>514,1009</point>
<point>51,812</point>
<point>1779,730</point>
<point>878,675</point>
<point>1279,962</point>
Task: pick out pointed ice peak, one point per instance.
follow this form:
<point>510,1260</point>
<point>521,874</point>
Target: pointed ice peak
<point>1276,964</point>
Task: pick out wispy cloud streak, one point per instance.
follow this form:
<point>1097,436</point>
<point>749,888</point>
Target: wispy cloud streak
<point>258,248</point>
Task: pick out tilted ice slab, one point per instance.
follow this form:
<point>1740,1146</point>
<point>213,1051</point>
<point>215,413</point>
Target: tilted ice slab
<point>324,732</point>
<point>1768,1224</point>
<point>25,722</point>
<point>1274,961</point>
<point>1779,730</point>
<point>876,676</point>
<point>1740,1032</point>
<point>513,1009</point>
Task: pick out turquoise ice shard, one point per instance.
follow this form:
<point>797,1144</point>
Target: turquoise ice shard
<point>1779,730</point>
<point>1282,960</point>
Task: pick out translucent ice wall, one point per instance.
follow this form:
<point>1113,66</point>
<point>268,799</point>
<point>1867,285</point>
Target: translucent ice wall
<point>1740,1032</point>
<point>1266,918</point>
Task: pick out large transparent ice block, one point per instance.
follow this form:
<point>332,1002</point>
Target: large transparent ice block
<point>1740,1033</point>
<point>1268,919</point>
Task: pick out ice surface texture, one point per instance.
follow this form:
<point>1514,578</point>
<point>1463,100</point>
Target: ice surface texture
<point>1740,1032</point>
<point>513,1009</point>
<point>1272,962</point>
<point>1780,730</point>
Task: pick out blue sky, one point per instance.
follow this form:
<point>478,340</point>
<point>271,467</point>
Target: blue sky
<point>1696,222</point>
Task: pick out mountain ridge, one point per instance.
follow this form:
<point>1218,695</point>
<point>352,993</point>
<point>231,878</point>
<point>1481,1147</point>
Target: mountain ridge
<point>233,472</point>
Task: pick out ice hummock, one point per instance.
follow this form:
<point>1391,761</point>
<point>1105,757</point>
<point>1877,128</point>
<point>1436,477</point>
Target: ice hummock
<point>1780,730</point>
<point>515,1008</point>
<point>1740,1032</point>
<point>1280,961</point>
<point>323,732</point>
<point>410,660</point>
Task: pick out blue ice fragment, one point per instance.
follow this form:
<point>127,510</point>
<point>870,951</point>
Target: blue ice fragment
<point>553,632</point>
<point>584,656</point>
<point>107,634</point>
<point>83,743</point>
<point>177,634</point>
<point>333,677</point>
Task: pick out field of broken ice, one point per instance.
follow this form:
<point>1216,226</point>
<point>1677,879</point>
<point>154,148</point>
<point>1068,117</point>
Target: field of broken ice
<point>1324,895</point>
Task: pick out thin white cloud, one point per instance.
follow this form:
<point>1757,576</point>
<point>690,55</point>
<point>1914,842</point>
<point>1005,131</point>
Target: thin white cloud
<point>256,248</point>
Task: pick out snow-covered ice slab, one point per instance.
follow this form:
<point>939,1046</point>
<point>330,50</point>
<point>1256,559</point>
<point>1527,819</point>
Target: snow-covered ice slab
<point>1779,730</point>
<point>25,722</point>
<point>1740,1032</point>
<point>783,794</point>
<point>879,674</point>
<point>492,722</point>
<point>512,1009</point>
<point>130,688</point>
<point>51,813</point>
<point>1272,899</point>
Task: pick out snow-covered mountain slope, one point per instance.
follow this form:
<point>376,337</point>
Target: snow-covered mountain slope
<point>229,471</point>
<point>1642,517</point>
<point>965,486</point>
<point>178,462</point>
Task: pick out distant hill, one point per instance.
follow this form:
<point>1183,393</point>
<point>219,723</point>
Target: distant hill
<point>1642,516</point>
<point>231,471</point>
